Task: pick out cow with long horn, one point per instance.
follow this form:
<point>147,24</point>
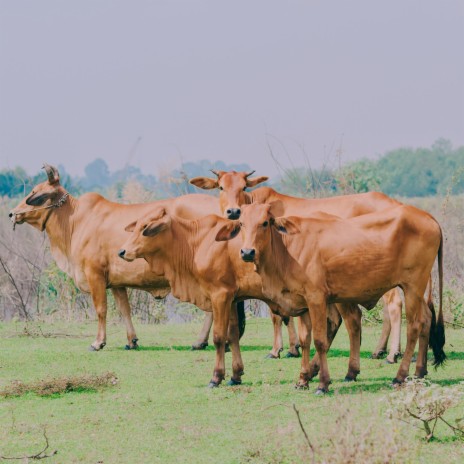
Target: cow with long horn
<point>85,234</point>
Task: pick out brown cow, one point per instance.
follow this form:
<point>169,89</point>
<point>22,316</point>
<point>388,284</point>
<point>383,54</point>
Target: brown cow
<point>233,195</point>
<point>85,234</point>
<point>314,261</point>
<point>204,272</point>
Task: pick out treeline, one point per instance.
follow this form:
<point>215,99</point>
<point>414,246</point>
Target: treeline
<point>98,178</point>
<point>405,172</point>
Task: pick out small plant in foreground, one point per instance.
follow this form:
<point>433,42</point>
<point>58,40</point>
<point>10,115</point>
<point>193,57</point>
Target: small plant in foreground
<point>422,404</point>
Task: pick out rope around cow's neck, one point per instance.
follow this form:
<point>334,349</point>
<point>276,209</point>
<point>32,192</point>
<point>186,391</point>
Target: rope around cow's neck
<point>58,204</point>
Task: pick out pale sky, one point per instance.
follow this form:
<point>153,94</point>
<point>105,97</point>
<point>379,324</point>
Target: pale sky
<point>220,80</point>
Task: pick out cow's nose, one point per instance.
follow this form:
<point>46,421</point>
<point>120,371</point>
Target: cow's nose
<point>121,253</point>
<point>233,213</point>
<point>10,215</point>
<point>247,254</point>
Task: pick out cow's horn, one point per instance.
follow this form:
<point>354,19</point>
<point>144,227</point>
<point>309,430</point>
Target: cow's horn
<point>215,172</point>
<point>52,173</point>
<point>249,174</point>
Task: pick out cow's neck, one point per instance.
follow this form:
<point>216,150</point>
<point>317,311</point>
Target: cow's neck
<point>60,227</point>
<point>276,263</point>
<point>182,272</point>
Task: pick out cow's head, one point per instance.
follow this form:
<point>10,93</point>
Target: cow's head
<point>33,209</point>
<point>147,235</point>
<point>232,186</point>
<point>256,224</point>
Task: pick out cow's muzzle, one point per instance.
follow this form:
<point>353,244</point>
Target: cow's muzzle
<point>248,254</point>
<point>233,213</point>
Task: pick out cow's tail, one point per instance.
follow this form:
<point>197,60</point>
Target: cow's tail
<point>437,328</point>
<point>241,318</point>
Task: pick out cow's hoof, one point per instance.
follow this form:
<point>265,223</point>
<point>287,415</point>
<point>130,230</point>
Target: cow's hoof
<point>379,355</point>
<point>199,346</point>
<point>271,356</point>
<point>349,379</point>
<point>233,382</point>
<point>321,391</point>
<point>134,346</point>
<point>301,385</point>
<point>289,354</point>
<point>396,383</point>
<point>213,384</point>
<point>102,345</point>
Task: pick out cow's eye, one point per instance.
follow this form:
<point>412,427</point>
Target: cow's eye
<point>220,188</point>
<point>244,189</point>
<point>240,224</point>
<point>265,223</point>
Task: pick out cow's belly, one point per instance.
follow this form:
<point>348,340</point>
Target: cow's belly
<point>291,304</point>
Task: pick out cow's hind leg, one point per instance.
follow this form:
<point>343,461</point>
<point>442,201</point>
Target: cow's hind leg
<point>98,290</point>
<point>421,362</point>
<point>352,316</point>
<point>293,351</point>
<point>381,348</point>
<point>234,337</point>
<point>394,307</point>
<point>202,341</point>
<point>304,334</point>
<point>277,345</point>
<point>415,316</point>
<point>122,303</point>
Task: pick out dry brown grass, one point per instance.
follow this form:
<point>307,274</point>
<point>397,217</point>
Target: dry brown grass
<point>59,385</point>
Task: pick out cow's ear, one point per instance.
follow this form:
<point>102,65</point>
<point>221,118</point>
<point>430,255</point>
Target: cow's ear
<point>38,199</point>
<point>228,231</point>
<point>286,225</point>
<point>130,227</point>
<point>255,181</point>
<point>155,227</point>
<point>205,183</point>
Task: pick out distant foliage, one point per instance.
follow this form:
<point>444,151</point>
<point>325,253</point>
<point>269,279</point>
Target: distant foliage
<point>406,172</point>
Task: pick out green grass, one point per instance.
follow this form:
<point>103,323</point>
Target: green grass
<point>161,410</point>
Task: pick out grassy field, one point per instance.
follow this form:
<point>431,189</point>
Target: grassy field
<point>161,411</point>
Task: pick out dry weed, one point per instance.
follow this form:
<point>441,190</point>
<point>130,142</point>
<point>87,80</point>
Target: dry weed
<point>59,385</point>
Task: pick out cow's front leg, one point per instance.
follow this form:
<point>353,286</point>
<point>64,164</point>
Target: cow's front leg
<point>234,341</point>
<point>318,314</point>
<point>122,303</point>
<point>202,340</point>
<point>98,290</point>
<point>334,321</point>
<point>221,314</point>
<point>304,334</point>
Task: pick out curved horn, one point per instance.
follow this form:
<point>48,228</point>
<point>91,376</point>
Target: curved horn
<point>249,174</point>
<point>52,173</point>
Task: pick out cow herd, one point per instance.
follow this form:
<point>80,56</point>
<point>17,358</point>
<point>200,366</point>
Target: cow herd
<point>328,255</point>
